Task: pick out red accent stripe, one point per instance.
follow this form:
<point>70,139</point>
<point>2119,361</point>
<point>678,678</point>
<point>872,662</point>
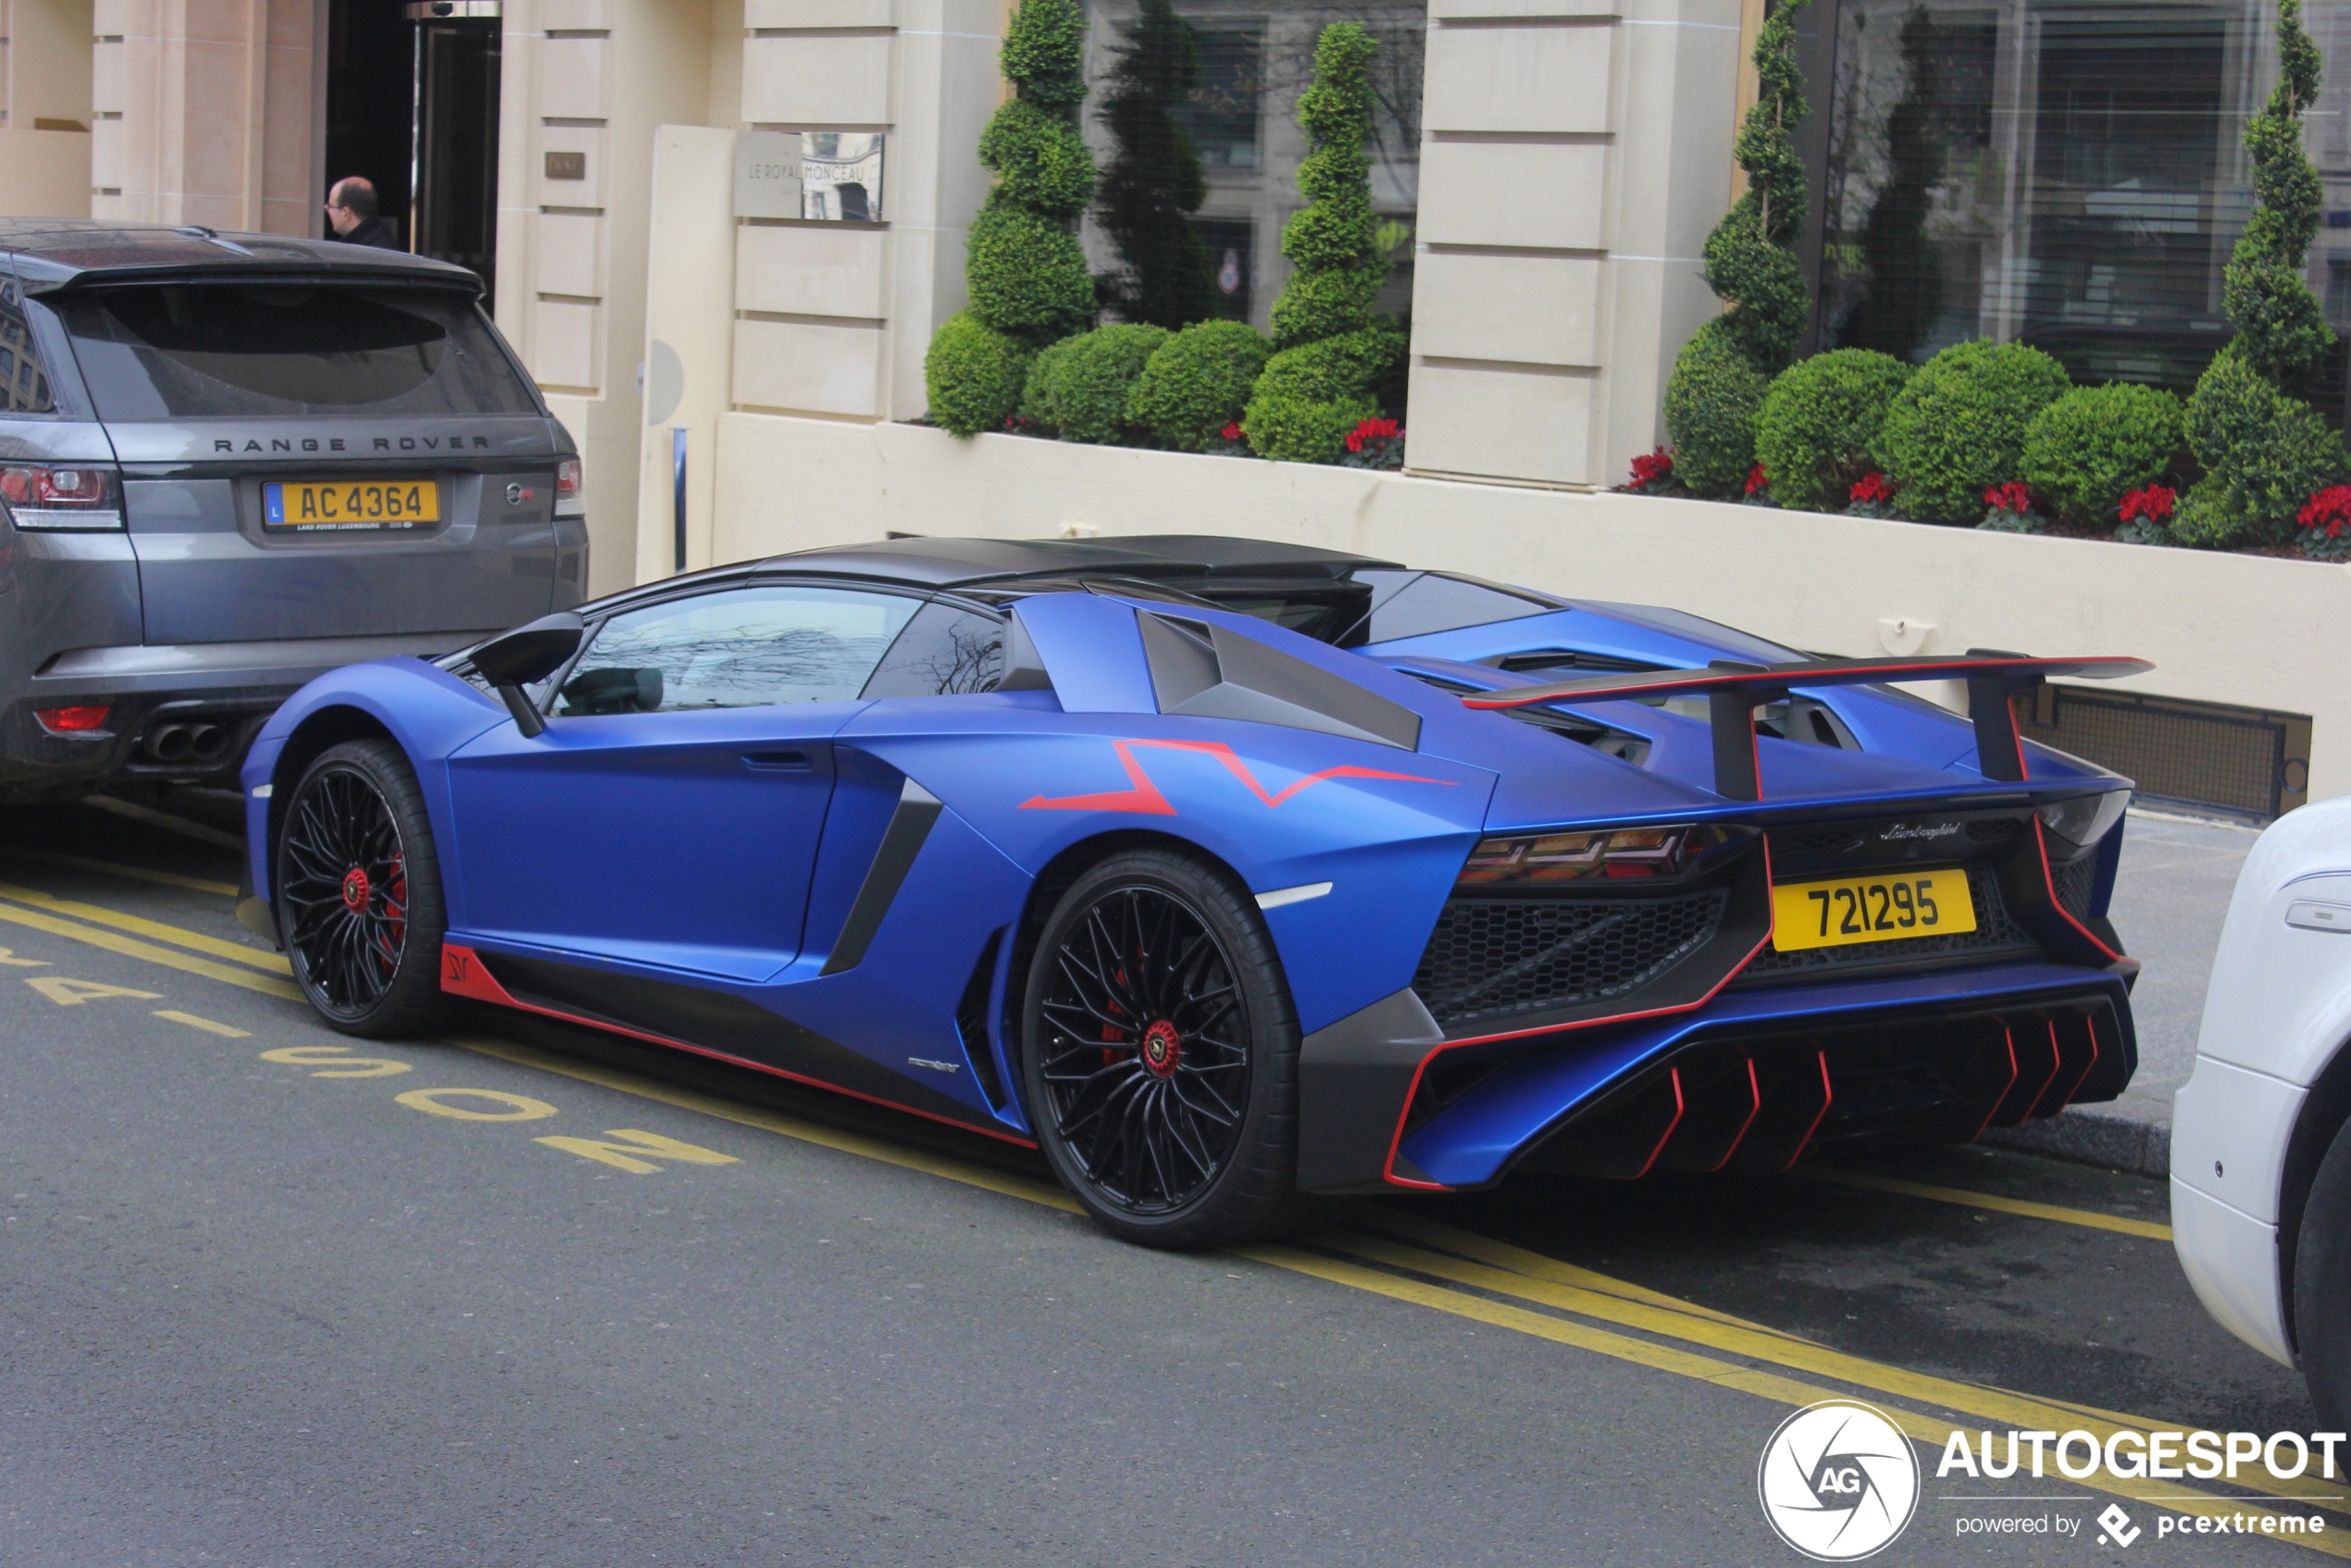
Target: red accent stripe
<point>2048,880</point>
<point>2089,1025</point>
<point>1754,1109</point>
<point>2057,1060</point>
<point>2007,1040</point>
<point>1145,797</point>
<point>464,974</point>
<point>1828,1098</point>
<point>1395,1141</point>
<point>1673,1076</point>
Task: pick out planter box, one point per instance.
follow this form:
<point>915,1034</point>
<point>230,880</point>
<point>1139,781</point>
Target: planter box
<point>2251,630</point>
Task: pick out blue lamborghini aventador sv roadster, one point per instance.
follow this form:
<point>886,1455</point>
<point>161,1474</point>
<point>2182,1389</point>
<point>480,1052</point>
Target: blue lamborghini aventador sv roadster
<point>1229,873</point>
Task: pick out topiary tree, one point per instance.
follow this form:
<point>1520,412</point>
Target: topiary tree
<point>1080,387</point>
<point>1153,182</point>
<point>1709,407</point>
<point>975,375</point>
<point>2094,444</point>
<point>1958,428</point>
<point>1813,433</point>
<point>2261,444</point>
<point>1022,263</point>
<point>1333,241</point>
<point>1198,382</point>
<point>1312,397</point>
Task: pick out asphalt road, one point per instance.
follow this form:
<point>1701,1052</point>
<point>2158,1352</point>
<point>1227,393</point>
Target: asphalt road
<point>527,1296</point>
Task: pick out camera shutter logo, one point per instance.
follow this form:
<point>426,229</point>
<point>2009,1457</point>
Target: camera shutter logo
<point>1838,1481</point>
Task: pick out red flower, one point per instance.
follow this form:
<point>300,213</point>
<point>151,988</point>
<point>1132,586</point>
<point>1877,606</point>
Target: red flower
<point>2153,502</point>
<point>1869,490</point>
<point>1231,431</point>
<point>2329,509</point>
<point>1373,430</point>
<point>1655,468</point>
<point>1757,480</point>
<point>2013,496</point>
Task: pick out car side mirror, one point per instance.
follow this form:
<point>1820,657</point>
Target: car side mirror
<point>513,660</point>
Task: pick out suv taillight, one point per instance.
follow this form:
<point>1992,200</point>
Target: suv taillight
<point>569,501</point>
<point>61,497</point>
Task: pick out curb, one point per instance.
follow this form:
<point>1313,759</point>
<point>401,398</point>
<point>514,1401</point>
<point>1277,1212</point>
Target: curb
<point>2092,1138</point>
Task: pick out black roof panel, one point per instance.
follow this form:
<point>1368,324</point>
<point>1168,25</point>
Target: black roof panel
<point>942,563</point>
<point>53,252</point>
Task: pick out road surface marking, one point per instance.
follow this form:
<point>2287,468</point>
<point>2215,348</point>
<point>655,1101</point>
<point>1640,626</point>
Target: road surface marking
<point>207,1024</point>
<point>130,947</point>
<point>179,936</point>
<point>335,1061</point>
<point>519,1107</point>
<point>2090,1218</point>
<point>638,1150</point>
<point>73,993</point>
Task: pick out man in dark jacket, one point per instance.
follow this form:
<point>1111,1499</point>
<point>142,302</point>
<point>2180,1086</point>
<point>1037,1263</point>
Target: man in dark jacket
<point>350,212</point>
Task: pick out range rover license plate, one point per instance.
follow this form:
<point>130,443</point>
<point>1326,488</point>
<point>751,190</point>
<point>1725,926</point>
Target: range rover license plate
<point>1870,908</point>
<point>314,506</point>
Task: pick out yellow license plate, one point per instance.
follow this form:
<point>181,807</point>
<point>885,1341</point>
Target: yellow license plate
<point>350,504</point>
<point>1884,908</point>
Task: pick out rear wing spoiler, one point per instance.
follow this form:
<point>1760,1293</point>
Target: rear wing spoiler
<point>1734,691</point>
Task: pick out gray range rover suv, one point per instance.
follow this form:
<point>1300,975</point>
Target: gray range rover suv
<point>230,462</point>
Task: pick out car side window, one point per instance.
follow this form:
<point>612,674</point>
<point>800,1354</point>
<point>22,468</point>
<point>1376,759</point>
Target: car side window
<point>24,387</point>
<point>737,648</point>
<point>943,651</point>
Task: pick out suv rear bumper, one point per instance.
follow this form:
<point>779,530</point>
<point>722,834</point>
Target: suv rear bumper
<point>180,712</point>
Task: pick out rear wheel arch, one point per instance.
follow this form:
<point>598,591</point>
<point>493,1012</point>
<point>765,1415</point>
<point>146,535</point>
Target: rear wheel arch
<point>328,728</point>
<point>2326,1107</point>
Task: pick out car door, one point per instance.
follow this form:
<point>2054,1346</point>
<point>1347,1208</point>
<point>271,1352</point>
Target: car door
<point>670,812</point>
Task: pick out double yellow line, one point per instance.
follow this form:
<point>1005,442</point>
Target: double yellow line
<point>1395,1254</point>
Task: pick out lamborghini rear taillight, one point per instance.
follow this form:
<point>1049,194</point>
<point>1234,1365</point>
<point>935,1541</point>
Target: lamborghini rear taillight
<point>1609,853</point>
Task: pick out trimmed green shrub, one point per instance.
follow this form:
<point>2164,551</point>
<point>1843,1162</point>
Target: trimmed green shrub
<point>1310,398</point>
<point>2281,330</point>
<point>975,375</point>
<point>1813,433</point>
<point>1022,263</point>
<point>1958,429</point>
<point>1720,377</point>
<point>1080,387</point>
<point>1153,182</point>
<point>1712,401</point>
<point>1332,242</point>
<point>1750,259</point>
<point>2091,446</point>
<point>2264,451</point>
<point>1198,382</point>
<point>2264,455</point>
<point>1022,278</point>
<point>1041,162</point>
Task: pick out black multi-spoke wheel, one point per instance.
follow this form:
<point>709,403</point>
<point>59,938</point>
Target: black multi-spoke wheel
<point>1161,1054</point>
<point>358,891</point>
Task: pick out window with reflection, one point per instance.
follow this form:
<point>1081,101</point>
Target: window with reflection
<point>2069,175</point>
<point>1227,74</point>
<point>736,648</point>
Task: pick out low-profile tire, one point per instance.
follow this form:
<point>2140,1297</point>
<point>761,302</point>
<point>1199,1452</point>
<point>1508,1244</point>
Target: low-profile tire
<point>2321,1304</point>
<point>358,894</point>
<point>1158,1049</point>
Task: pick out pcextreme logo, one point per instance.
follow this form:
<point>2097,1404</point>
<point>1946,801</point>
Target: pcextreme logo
<point>1838,1481</point>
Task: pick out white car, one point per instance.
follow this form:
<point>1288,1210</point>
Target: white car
<point>2261,1153</point>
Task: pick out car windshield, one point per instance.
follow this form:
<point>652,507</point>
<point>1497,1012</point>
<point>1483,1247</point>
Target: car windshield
<point>176,351</point>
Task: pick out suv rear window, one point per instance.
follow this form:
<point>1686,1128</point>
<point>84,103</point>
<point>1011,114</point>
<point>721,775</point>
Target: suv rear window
<point>176,351</point>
